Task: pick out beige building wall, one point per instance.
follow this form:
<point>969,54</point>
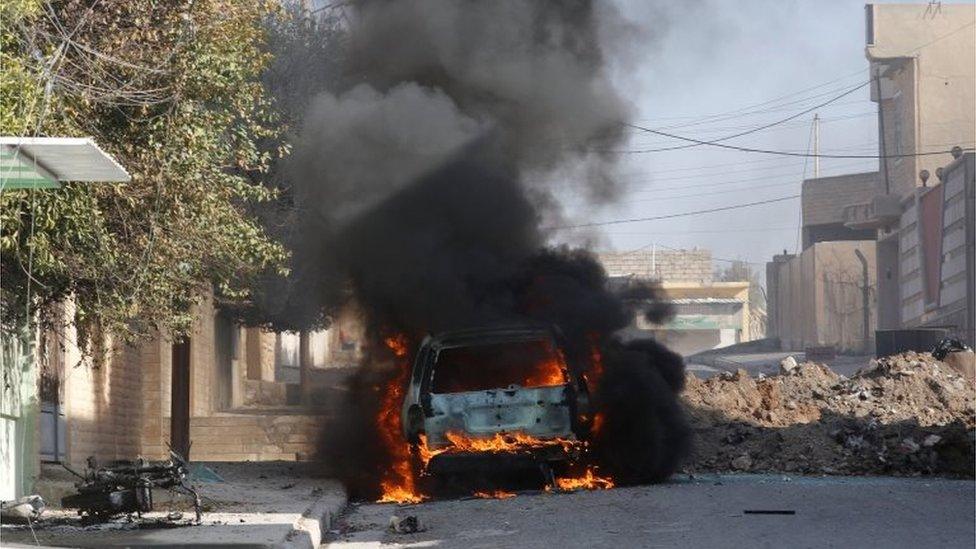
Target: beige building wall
<point>118,404</point>
<point>260,349</point>
<point>927,57</point>
<point>104,394</point>
<point>819,299</point>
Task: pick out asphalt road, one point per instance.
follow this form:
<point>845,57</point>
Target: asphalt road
<point>703,512</point>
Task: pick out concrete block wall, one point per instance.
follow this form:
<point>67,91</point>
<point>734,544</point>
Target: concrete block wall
<point>156,387</point>
<point>203,370</point>
<point>824,198</point>
<point>120,407</point>
<point>669,265</point>
<point>255,437</point>
<point>103,405</point>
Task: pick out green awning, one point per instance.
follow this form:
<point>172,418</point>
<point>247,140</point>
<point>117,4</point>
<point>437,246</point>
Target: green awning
<point>19,172</point>
<point>45,162</point>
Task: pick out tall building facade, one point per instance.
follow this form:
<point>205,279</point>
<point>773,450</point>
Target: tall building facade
<point>922,58</point>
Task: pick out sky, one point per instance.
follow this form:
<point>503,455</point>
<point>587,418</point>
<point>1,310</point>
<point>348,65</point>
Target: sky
<point>708,69</point>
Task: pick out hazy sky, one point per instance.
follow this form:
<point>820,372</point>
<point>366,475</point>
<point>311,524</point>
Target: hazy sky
<point>714,68</point>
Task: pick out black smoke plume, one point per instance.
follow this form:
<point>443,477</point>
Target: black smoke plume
<point>423,187</point>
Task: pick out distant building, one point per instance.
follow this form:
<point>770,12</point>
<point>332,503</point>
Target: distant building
<point>823,296</point>
<point>707,314</point>
<point>820,297</point>
<point>912,226</point>
<point>823,200</point>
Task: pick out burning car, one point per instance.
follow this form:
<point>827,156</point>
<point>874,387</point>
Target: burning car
<point>508,392</point>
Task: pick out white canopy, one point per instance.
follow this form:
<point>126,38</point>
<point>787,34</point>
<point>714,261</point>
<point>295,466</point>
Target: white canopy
<point>32,162</point>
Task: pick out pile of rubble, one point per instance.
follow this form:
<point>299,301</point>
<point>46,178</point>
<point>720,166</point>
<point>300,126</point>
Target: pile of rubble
<point>907,414</point>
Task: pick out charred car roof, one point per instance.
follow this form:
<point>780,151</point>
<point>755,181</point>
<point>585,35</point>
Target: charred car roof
<point>491,334</point>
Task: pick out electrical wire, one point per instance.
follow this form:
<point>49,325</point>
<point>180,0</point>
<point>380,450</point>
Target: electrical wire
<point>697,142</point>
<point>716,143</point>
<point>682,214</point>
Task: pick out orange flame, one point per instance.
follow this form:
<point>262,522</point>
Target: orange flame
<point>598,421</point>
<point>398,484</point>
<point>588,481</point>
<point>397,345</point>
<point>499,443</point>
<point>547,373</point>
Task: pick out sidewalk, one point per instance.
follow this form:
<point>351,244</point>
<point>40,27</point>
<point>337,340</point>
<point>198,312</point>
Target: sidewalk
<point>281,505</point>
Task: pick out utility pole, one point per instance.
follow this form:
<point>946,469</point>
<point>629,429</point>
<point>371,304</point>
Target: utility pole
<point>654,259</point>
<point>816,145</point>
<point>865,300</point>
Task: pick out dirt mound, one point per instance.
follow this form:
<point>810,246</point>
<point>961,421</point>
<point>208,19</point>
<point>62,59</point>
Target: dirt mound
<point>907,414</point>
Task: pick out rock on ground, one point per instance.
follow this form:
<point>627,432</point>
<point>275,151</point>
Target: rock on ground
<point>907,414</point>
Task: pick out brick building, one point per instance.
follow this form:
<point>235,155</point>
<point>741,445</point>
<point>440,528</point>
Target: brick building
<point>660,264</point>
<point>233,393</point>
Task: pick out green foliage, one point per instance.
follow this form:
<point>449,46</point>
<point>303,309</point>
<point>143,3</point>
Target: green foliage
<point>741,271</point>
<point>173,90</point>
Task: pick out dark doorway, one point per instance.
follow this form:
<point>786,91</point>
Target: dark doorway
<point>179,427</point>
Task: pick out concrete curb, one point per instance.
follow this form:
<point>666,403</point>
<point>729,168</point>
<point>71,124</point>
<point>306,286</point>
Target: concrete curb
<point>307,531</point>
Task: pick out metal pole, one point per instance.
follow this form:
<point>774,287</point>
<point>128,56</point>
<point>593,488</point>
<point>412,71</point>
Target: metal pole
<point>816,145</point>
<point>653,260</point>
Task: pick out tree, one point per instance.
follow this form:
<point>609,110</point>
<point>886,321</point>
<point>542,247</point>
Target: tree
<point>173,90</point>
<point>741,271</point>
<point>307,53</point>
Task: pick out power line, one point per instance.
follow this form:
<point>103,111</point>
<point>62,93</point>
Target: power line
<point>826,120</point>
<point>682,214</point>
<point>706,177</point>
<point>712,231</point>
<point>768,151</point>
<point>697,142</point>
<point>777,106</point>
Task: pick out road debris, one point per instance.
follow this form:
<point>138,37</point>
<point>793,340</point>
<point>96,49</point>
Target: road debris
<point>769,512</point>
<point>409,524</point>
<point>23,510</point>
<point>907,414</point>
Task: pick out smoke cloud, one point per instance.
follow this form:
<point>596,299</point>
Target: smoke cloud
<point>414,204</point>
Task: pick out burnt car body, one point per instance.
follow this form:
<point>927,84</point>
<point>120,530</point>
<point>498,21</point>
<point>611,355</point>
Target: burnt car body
<point>507,383</point>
